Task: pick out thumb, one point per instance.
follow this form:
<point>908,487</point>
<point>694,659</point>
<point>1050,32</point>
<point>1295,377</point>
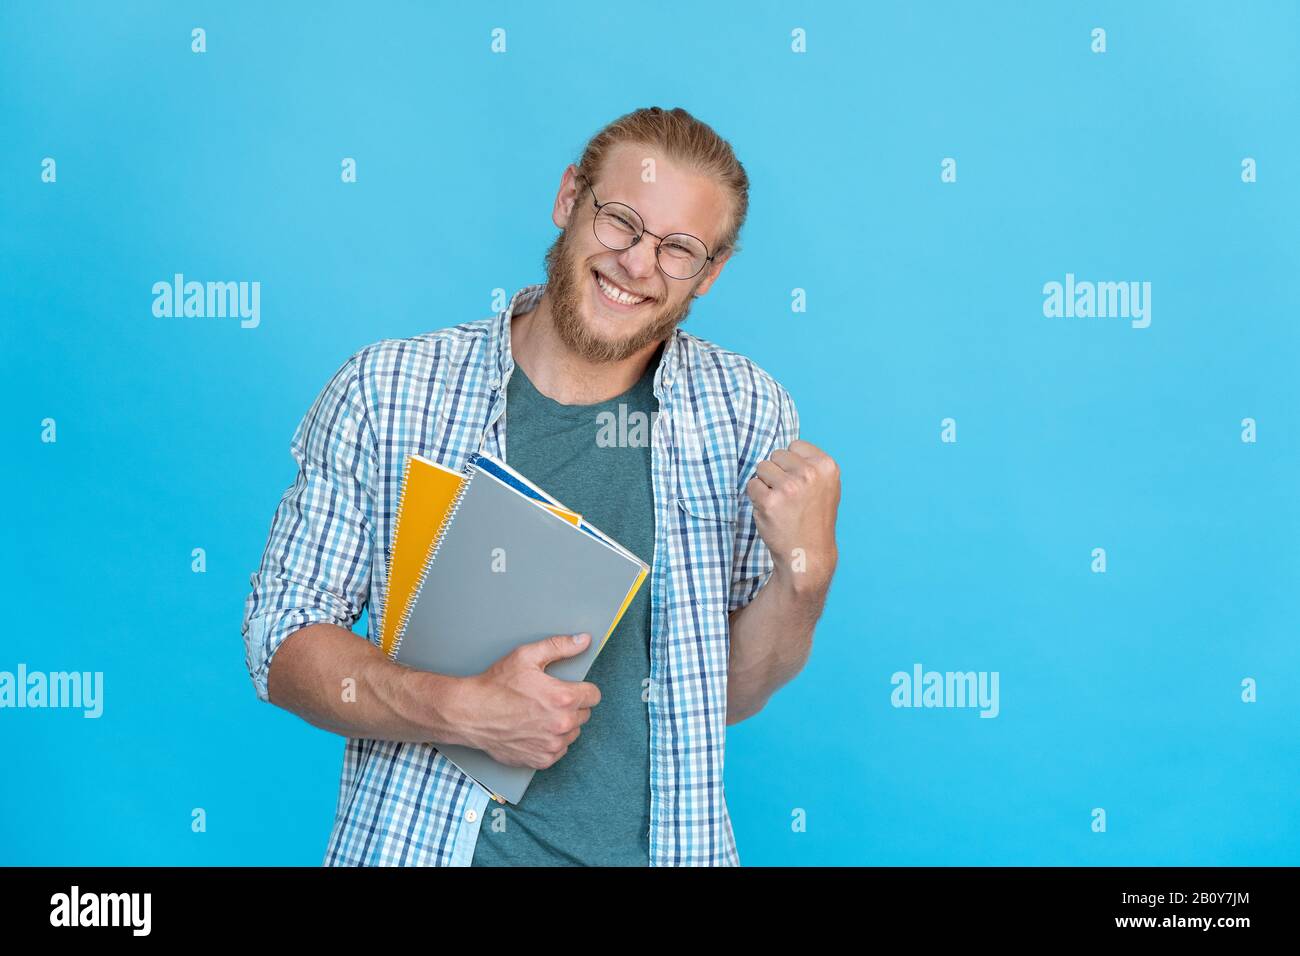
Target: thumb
<point>557,647</point>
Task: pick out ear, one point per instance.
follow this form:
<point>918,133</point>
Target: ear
<point>571,189</point>
<point>712,273</point>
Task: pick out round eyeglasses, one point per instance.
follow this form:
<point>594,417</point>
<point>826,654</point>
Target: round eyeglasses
<point>618,226</point>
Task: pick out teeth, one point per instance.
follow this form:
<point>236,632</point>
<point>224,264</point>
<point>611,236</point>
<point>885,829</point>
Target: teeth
<point>617,294</point>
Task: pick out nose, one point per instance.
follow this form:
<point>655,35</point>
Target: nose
<point>638,261</point>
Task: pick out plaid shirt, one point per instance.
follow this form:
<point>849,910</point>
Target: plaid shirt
<point>442,395</point>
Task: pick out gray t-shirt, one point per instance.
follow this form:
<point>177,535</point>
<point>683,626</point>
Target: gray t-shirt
<point>591,807</point>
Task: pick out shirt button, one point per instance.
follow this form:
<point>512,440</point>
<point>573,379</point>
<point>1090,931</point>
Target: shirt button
<point>471,816</point>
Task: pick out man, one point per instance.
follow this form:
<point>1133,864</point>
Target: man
<point>684,452</point>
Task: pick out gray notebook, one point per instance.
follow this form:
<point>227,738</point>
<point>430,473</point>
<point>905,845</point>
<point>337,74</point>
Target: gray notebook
<point>506,572</point>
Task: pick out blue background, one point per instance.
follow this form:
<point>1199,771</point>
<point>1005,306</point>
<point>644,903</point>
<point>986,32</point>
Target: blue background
<point>1118,690</point>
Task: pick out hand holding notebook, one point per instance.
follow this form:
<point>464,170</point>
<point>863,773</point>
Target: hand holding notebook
<point>543,714</point>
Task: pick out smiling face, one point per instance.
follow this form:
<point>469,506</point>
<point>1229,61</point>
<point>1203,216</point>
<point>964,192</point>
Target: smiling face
<point>608,305</point>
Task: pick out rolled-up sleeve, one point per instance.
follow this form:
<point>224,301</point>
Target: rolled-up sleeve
<point>752,562</point>
<point>316,565</point>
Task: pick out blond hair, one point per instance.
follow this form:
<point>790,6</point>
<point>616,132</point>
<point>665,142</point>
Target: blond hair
<point>682,139</point>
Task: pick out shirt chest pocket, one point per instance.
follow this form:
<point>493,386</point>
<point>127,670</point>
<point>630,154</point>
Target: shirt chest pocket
<point>718,508</point>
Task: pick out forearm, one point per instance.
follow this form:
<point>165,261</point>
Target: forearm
<point>771,638</point>
<point>343,683</point>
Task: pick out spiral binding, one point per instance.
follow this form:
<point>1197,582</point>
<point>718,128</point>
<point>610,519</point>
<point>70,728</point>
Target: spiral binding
<point>397,526</point>
<point>468,471</point>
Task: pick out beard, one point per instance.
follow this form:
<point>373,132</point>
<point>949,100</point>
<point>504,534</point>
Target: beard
<point>566,279</point>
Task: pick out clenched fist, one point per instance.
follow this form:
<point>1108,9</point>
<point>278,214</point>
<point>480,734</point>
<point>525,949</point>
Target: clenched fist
<point>796,495</point>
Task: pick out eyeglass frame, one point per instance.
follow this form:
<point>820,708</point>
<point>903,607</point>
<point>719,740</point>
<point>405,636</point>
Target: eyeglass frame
<point>644,232</point>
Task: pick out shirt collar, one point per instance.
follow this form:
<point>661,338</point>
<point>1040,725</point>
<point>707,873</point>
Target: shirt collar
<point>525,299</point>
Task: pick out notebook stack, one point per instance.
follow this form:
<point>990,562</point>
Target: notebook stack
<point>483,561</point>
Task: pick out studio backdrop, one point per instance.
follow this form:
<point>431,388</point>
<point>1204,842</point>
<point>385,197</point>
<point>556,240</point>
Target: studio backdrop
<point>1027,269</point>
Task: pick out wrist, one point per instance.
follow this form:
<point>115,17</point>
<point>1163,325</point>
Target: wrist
<point>805,589</point>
